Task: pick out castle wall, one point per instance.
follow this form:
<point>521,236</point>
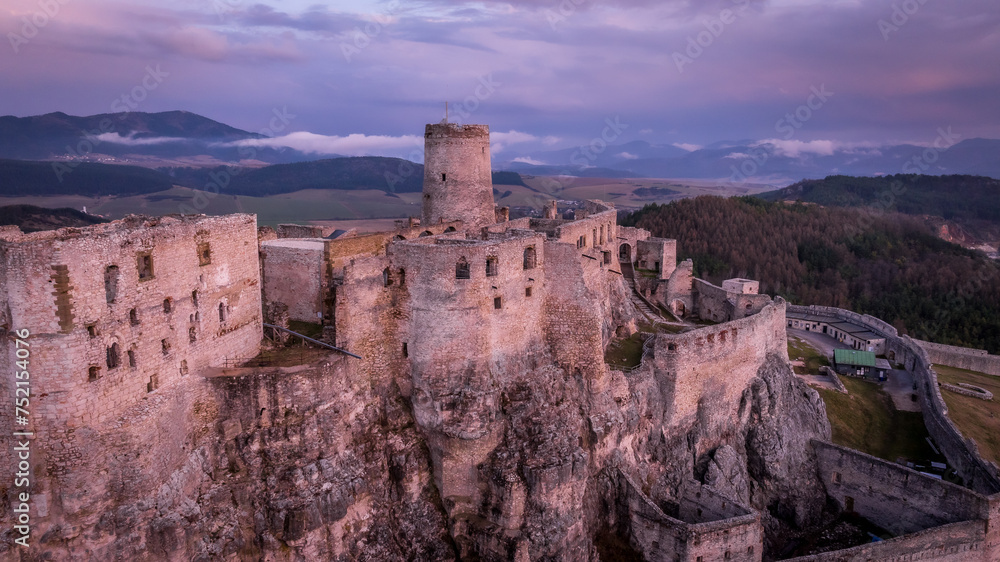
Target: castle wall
<point>59,286</point>
<point>294,270</point>
<point>956,542</point>
<point>661,537</point>
<point>892,496</point>
<point>458,181</point>
<point>630,236</point>
<point>586,233</point>
<point>716,364</point>
<point>962,357</point>
<point>719,305</point>
<point>657,254</point>
<point>935,519</point>
<point>962,453</point>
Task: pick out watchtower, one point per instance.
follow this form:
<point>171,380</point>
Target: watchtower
<point>458,181</point>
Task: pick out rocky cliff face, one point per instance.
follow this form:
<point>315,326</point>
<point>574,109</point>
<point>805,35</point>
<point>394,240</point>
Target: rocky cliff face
<point>329,462</point>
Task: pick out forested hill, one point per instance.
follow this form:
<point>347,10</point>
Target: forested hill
<point>887,265</point>
<point>952,197</point>
<point>394,175</point>
<point>31,219</point>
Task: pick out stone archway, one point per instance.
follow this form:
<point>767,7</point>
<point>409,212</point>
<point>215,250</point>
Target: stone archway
<point>625,253</point>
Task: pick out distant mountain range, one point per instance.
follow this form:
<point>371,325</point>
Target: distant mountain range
<point>776,162</point>
<point>187,146</point>
<point>132,138</point>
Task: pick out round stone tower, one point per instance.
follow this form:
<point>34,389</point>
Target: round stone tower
<point>458,181</point>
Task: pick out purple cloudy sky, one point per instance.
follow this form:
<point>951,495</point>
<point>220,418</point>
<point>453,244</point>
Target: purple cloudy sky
<point>364,76</point>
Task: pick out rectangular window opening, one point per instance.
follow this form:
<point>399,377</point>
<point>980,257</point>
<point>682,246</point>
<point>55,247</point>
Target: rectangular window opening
<point>497,303</point>
<point>144,262</point>
<point>204,253</point>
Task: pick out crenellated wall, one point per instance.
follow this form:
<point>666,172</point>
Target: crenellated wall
<point>717,362</point>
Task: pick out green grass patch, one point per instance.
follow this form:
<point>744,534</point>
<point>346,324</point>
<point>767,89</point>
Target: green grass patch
<point>800,350</point>
<point>624,353</point>
<point>977,419</point>
<point>866,420</point>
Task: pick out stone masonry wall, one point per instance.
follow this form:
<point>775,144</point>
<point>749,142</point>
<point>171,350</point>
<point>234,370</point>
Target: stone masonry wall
<point>962,357</point>
<point>892,496</point>
<point>735,349</point>
<point>655,251</point>
<point>933,519</point>
<point>294,270</point>
<point>163,327</point>
<point>661,537</point>
<point>458,182</point>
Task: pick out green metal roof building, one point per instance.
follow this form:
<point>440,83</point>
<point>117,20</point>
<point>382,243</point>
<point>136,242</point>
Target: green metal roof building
<point>853,362</point>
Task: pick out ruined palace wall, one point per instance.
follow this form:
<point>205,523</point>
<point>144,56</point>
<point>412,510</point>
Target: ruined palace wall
<point>962,357</point>
<point>717,363</point>
<point>661,537</point>
<point>631,236</point>
<point>170,322</point>
<point>653,251</point>
<point>293,275</point>
<point>962,453</point>
<point>602,220</point>
<point>892,496</point>
<point>719,305</point>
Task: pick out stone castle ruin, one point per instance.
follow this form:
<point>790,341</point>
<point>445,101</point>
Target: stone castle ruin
<point>481,421</point>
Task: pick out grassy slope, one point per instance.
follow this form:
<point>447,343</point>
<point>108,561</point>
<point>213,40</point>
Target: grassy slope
<point>977,419</point>
<point>866,420</point>
<point>799,349</point>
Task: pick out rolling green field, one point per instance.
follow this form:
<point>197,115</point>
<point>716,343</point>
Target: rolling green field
<point>312,205</point>
<point>977,419</point>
